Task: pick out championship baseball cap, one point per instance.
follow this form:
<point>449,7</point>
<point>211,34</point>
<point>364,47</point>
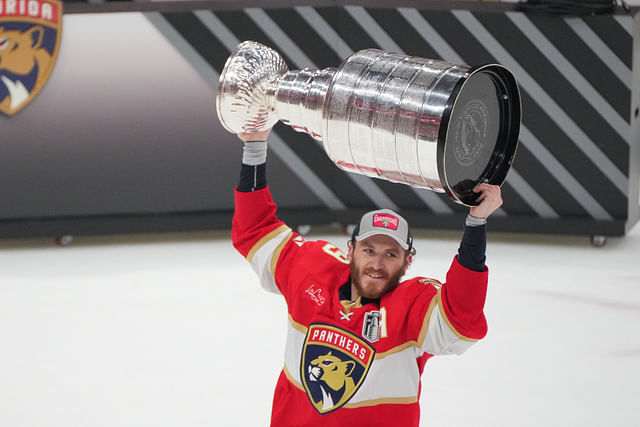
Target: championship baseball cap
<point>387,222</point>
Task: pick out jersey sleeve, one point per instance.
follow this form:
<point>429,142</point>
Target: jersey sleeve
<point>281,258</point>
<point>258,234</point>
<point>454,319</point>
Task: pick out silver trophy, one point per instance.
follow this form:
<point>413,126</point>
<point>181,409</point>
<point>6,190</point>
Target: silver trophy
<point>421,122</point>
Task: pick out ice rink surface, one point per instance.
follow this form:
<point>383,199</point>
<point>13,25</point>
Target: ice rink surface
<point>174,330</point>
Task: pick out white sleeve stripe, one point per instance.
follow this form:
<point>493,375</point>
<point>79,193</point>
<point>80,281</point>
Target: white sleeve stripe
<point>425,324</point>
<point>444,316</point>
<point>441,338</point>
<point>262,257</point>
<point>277,251</point>
<point>266,238</point>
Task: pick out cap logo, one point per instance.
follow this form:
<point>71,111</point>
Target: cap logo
<point>385,221</point>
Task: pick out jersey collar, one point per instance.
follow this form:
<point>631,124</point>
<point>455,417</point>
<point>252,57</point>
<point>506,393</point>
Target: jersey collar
<point>345,295</point>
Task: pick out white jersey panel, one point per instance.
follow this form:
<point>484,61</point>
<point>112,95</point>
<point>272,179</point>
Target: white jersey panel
<point>395,376</point>
<point>293,352</point>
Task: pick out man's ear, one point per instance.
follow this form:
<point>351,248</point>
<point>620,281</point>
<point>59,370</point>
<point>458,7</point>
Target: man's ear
<point>408,261</point>
<point>350,246</point>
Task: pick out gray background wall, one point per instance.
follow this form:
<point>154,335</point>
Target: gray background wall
<point>125,137</point>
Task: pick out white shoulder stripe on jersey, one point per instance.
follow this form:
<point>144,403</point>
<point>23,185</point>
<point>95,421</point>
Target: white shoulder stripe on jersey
<point>265,239</point>
<point>263,256</point>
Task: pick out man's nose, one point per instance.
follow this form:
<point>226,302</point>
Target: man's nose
<point>378,262</point>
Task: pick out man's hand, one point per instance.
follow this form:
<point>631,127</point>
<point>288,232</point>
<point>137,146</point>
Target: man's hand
<point>490,199</point>
<point>255,136</point>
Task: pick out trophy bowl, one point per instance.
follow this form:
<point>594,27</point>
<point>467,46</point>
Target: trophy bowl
<point>421,122</point>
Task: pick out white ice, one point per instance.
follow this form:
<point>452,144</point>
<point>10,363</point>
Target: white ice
<point>174,330</point>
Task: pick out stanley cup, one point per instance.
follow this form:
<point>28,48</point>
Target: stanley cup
<point>421,122</point>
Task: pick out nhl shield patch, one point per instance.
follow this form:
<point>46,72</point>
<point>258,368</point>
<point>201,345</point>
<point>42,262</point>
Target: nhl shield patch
<point>30,32</point>
<point>333,366</point>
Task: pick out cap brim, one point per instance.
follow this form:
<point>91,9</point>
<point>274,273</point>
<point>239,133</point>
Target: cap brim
<point>382,231</point>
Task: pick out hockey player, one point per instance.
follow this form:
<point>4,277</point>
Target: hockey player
<point>358,339</point>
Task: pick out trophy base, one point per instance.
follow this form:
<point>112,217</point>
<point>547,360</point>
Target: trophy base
<point>479,132</point>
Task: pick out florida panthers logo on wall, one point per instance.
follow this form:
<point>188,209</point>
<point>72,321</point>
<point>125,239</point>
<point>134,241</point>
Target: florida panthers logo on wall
<point>29,39</point>
<point>334,365</point>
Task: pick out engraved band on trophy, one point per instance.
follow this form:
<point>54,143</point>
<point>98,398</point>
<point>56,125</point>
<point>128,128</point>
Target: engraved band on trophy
<point>421,122</point>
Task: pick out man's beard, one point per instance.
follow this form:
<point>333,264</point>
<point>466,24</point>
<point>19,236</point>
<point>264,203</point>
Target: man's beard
<point>356,274</point>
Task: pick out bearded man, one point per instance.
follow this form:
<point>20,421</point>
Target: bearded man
<point>358,338</point>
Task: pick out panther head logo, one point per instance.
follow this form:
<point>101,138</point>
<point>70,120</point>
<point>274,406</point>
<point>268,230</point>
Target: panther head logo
<point>334,376</point>
<point>333,366</point>
<point>29,41</point>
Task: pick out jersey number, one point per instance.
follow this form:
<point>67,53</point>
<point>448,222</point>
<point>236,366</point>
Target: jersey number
<point>335,252</point>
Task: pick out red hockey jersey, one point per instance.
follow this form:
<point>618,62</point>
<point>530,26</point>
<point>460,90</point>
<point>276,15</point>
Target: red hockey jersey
<point>352,363</point>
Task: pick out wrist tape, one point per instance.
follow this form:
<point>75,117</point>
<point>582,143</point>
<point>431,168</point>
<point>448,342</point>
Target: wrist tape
<point>472,221</point>
<point>254,153</point>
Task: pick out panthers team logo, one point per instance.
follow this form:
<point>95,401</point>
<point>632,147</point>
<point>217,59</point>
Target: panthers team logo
<point>29,39</point>
<point>333,366</point>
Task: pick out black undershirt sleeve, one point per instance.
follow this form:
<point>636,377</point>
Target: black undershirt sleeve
<point>252,178</point>
<point>473,246</point>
